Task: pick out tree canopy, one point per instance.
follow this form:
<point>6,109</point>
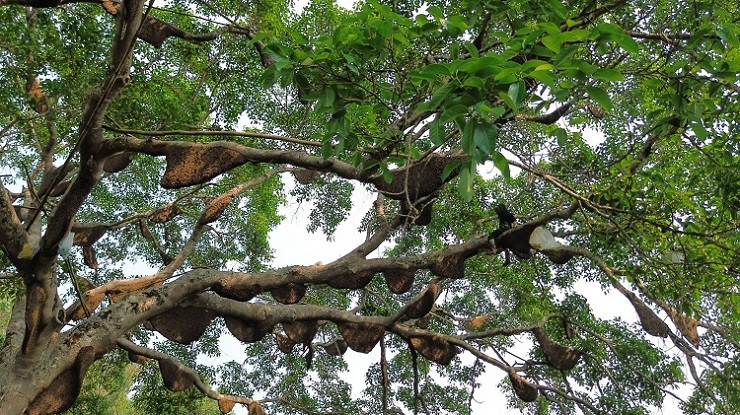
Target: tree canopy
<point>518,152</point>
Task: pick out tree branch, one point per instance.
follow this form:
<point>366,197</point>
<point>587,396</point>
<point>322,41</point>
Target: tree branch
<point>213,134</point>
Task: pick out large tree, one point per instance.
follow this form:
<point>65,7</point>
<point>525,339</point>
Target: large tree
<point>163,134</point>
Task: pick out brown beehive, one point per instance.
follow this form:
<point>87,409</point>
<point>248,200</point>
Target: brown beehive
<point>336,347</point>
<point>437,350</point>
<point>225,405</point>
<point>423,305</point>
<point>301,331</point>
<point>289,293</point>
<point>399,280</point>
<point>165,213</point>
<point>354,281</point>
<point>523,389</point>
<point>361,337</point>
<point>245,330</point>
<point>64,389</point>
<point>182,324</point>
<point>88,235</point>
<point>154,32</point>
<point>216,208</point>
<point>233,292</point>
<point>175,379</point>
<point>558,356</point>
<point>418,180</point>
<point>650,322</point>
<point>305,176</point>
<point>117,162</point>
<point>284,343</point>
<point>686,325</point>
<point>255,408</point>
<point>451,266</point>
<point>89,256</point>
<point>91,302</point>
<point>198,163</point>
<point>477,322</point>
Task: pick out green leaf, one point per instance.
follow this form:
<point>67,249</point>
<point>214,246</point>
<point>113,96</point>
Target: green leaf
<point>627,43</point>
<point>553,43</point>
<point>468,143</point>
<point>514,92</point>
<point>437,133</point>
<point>485,137</point>
<point>472,50</point>
<point>546,77</point>
<point>435,12</point>
<point>501,164</point>
<point>327,150</point>
<point>562,136</point>
<point>508,101</point>
<point>465,185</point>
<point>449,168</point>
<point>600,96</point>
<point>698,128</point>
<point>484,110</point>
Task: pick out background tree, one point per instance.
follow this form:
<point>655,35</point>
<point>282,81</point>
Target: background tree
<point>612,126</point>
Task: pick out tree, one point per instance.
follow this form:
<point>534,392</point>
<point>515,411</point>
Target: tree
<point>165,135</point>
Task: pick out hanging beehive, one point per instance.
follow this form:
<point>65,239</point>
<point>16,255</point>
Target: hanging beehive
<point>361,337</point>
<point>305,176</point>
<point>399,280</point>
<point>233,291</point>
<point>423,305</point>
<point>175,379</point>
<point>64,389</point>
<point>197,164</point>
<point>301,331</point>
<point>165,213</point>
<point>246,331</point>
<point>216,208</point>
<point>117,162</point>
<point>225,405</point>
<point>289,293</point>
<point>523,389</point>
<point>352,281</point>
<point>182,324</point>
<point>686,325</point>
<point>451,266</point>
<point>437,350</point>
<point>558,356</point>
<point>650,322</point>
<point>284,343</point>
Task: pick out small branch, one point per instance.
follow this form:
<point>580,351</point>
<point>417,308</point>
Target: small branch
<point>549,118</point>
<point>213,134</point>
<point>132,347</point>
